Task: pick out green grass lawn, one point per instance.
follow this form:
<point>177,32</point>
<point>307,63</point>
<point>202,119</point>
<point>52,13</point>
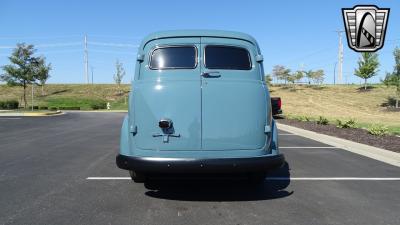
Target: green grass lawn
<point>71,95</point>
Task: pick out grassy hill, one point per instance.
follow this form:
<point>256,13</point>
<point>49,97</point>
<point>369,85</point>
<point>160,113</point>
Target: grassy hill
<point>333,102</point>
<point>70,95</point>
<point>340,102</point>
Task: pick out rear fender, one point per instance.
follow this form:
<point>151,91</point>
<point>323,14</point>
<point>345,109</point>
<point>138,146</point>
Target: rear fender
<point>124,148</point>
<point>274,141</point>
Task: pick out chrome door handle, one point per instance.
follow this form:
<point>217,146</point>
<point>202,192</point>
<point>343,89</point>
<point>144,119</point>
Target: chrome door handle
<point>211,74</point>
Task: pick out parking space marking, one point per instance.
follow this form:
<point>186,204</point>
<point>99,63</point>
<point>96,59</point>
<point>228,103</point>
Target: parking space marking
<point>329,147</point>
<point>288,178</point>
<point>108,178</point>
<point>336,178</point>
<point>287,134</point>
<point>18,118</point>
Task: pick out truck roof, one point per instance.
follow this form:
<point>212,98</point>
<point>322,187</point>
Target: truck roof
<point>198,33</point>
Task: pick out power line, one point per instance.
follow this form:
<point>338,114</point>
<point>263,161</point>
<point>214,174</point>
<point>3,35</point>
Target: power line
<point>38,37</point>
<point>50,45</point>
<point>67,44</point>
<point>118,37</point>
<point>112,44</point>
<point>60,51</point>
<point>114,52</point>
<point>308,55</point>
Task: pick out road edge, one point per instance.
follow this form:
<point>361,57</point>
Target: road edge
<point>383,155</point>
<point>30,114</point>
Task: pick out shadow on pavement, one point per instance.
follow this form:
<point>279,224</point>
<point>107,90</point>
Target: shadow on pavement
<point>221,188</point>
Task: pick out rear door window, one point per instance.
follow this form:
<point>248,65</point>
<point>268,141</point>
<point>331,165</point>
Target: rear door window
<point>226,57</point>
<point>174,57</point>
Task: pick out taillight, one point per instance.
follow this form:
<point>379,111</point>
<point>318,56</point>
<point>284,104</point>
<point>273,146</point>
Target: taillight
<point>279,103</point>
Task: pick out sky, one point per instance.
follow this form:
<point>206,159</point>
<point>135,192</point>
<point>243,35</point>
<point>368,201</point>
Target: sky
<point>297,34</point>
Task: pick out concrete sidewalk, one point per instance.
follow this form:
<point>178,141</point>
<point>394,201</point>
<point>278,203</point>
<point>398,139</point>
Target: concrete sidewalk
<point>392,158</point>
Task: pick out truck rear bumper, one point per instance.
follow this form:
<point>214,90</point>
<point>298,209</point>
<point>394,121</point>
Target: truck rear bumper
<point>187,165</point>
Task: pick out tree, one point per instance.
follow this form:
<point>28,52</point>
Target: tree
<point>281,73</point>
<point>318,76</point>
<point>43,73</point>
<point>367,66</point>
<point>298,75</point>
<point>24,68</point>
<point>119,73</point>
<point>393,79</point>
<point>309,74</point>
<point>268,79</point>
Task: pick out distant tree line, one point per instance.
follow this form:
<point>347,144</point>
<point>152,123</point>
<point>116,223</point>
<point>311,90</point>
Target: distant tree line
<point>284,74</point>
<point>368,67</point>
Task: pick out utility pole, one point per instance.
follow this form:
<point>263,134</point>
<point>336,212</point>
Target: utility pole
<point>340,56</point>
<point>92,73</point>
<point>334,74</point>
<point>86,59</point>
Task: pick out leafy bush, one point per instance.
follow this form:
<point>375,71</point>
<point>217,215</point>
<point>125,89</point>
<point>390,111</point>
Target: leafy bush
<point>98,105</point>
<point>378,130</point>
<point>351,123</point>
<point>390,102</point>
<point>43,107</point>
<point>322,121</point>
<point>9,104</point>
<point>53,108</point>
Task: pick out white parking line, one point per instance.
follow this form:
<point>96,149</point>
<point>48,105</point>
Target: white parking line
<point>329,147</point>
<point>10,118</point>
<point>336,178</point>
<point>108,178</point>
<point>287,134</point>
<point>289,178</point>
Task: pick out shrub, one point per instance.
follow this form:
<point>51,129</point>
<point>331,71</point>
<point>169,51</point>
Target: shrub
<point>35,107</point>
<point>351,123</point>
<point>322,121</point>
<point>98,105</point>
<point>69,108</point>
<point>390,102</point>
<point>378,130</point>
<point>9,104</point>
<point>53,108</point>
<point>43,107</point>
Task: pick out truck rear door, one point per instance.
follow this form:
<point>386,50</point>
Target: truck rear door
<point>168,87</point>
<point>233,96</point>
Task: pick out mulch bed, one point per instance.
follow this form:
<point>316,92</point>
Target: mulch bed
<point>388,142</point>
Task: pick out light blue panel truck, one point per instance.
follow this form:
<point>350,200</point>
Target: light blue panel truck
<point>199,104</point>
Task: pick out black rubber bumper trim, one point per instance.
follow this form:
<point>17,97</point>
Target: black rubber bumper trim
<point>182,165</point>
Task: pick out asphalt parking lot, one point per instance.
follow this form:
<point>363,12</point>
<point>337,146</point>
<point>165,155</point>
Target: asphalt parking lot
<point>45,163</point>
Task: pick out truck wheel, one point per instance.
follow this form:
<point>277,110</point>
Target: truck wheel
<point>137,177</point>
<point>257,177</point>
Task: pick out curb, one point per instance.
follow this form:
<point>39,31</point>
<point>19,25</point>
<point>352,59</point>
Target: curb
<point>31,114</point>
<point>97,111</point>
<point>386,156</point>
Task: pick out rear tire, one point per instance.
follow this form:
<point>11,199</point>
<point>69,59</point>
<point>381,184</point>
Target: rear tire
<point>137,177</point>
